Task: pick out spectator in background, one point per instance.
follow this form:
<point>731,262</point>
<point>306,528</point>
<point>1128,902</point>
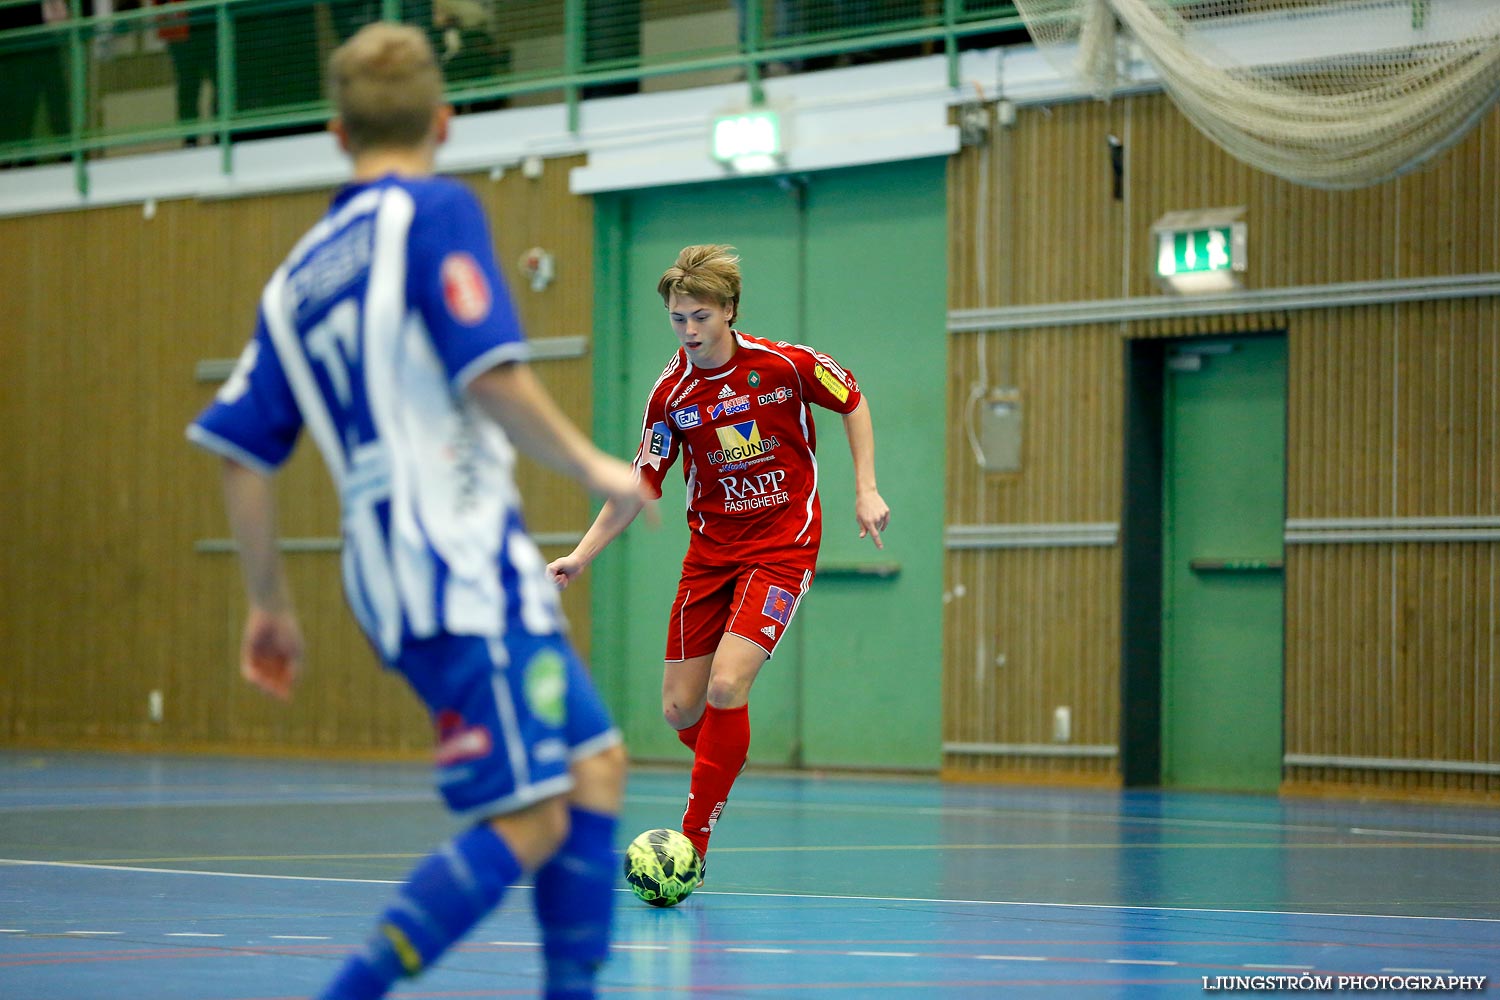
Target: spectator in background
<point>275,58</point>
<point>612,40</point>
<point>192,42</point>
<point>462,33</point>
<point>33,71</point>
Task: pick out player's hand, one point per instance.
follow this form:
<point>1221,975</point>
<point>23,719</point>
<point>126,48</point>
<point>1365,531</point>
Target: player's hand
<point>271,652</point>
<point>872,515</point>
<point>563,571</point>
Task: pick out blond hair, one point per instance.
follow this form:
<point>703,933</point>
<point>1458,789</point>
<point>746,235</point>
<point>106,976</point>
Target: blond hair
<point>708,272</point>
<point>386,87</point>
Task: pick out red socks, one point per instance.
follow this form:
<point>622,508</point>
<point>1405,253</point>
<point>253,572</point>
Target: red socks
<point>689,736</point>
<point>723,741</point>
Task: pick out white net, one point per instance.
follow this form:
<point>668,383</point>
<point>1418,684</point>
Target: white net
<point>1328,93</point>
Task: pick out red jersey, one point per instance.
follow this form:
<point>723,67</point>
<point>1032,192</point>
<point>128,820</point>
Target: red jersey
<point>747,437</point>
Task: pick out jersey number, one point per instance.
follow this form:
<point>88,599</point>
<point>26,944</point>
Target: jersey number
<point>335,343</point>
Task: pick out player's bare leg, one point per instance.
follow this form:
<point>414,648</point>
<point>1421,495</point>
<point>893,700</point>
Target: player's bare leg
<point>720,736</point>
<point>684,692</point>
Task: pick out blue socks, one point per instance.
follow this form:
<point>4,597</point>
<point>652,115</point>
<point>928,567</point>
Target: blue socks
<point>447,894</point>
<point>574,898</point>
<point>453,889</point>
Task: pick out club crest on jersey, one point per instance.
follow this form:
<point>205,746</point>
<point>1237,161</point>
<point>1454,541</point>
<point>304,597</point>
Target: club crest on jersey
<point>729,407</point>
<point>832,382</point>
<point>779,604</point>
<point>466,291</point>
<point>754,379</point>
<point>687,417</point>
<point>741,441</point>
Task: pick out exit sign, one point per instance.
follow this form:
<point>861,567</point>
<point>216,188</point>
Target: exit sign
<point>1200,251</point>
<point>1195,250</point>
<point>749,142</point>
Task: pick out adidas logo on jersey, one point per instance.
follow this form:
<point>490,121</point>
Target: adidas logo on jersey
<point>726,392</point>
<point>769,632</point>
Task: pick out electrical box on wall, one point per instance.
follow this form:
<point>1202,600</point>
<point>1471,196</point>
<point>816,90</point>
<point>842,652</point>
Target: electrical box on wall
<point>1000,430</point>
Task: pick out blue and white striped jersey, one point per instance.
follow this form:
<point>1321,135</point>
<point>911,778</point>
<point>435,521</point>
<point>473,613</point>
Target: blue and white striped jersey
<point>368,335</point>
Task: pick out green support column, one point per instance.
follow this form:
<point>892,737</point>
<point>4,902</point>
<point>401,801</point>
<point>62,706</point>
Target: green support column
<point>573,28</point>
<point>611,370</point>
<point>950,39</point>
<point>224,85</point>
<point>78,105</point>
<point>754,11</point>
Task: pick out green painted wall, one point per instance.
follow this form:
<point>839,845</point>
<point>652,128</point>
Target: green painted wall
<point>852,262</point>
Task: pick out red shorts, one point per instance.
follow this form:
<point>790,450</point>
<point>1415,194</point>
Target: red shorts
<point>755,602</point>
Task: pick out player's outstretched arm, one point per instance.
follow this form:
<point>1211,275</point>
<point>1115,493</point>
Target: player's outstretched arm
<point>613,519</point>
<point>271,648</point>
<point>511,394</point>
<point>870,510</point>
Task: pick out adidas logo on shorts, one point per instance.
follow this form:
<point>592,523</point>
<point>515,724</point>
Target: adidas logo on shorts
<point>726,392</point>
<point>769,632</point>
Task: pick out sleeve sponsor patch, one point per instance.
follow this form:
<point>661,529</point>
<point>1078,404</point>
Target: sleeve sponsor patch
<point>466,290</point>
<point>659,439</point>
<point>832,382</point>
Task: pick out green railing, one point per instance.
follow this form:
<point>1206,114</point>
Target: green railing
<point>80,86</point>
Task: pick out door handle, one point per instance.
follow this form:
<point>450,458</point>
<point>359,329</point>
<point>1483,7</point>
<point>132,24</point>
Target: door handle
<point>1236,565</point>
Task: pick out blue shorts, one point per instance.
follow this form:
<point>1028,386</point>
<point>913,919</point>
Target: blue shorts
<point>510,714</point>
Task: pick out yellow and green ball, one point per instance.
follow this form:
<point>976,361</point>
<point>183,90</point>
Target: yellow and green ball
<point>662,867</point>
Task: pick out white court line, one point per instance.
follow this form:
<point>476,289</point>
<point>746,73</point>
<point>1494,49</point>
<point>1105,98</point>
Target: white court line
<point>192,934</point>
<point>882,954</point>
<point>386,799</point>
<point>21,862</point>
<point>1444,972</point>
<point>91,933</point>
<point>300,937</point>
<point>1106,907</point>
<point>1136,961</point>
<point>1287,968</point>
<point>1086,817</point>
<point>1012,958</point>
<point>760,951</point>
<point>1362,831</point>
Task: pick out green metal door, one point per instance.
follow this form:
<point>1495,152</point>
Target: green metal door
<point>1224,510</point>
<point>853,263</point>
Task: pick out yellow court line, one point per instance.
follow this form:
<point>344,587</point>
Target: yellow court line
<point>837,848</point>
<point>249,857</point>
<point>1117,846</point>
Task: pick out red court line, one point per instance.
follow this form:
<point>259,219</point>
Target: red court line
<point>697,988</point>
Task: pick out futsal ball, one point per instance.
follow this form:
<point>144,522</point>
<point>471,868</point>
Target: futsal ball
<point>662,867</point>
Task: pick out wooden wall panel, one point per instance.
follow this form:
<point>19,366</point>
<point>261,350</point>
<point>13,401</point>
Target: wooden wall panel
<point>1392,412</point>
<point>1070,396</point>
<point>102,596</point>
<point>1027,631</point>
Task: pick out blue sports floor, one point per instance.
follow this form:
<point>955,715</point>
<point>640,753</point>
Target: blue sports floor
<point>186,878</point>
